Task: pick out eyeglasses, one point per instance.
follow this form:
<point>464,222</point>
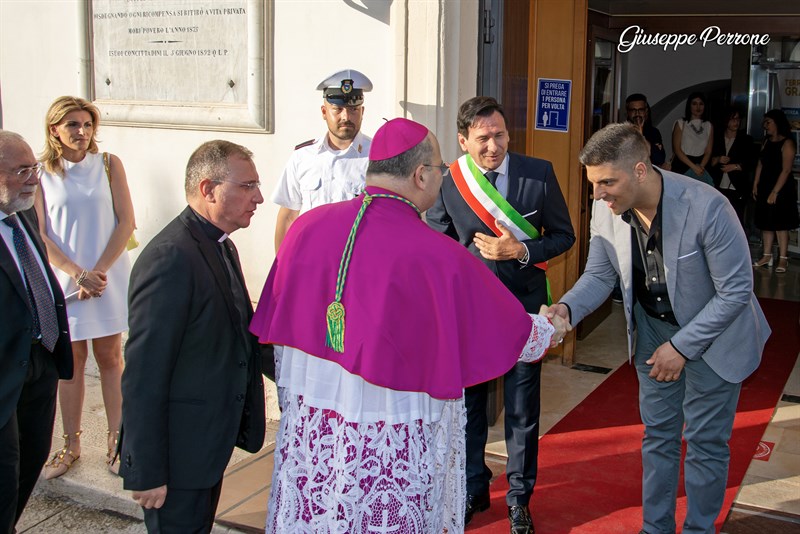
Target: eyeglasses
<point>25,173</point>
<point>637,111</point>
<point>444,167</point>
<point>250,186</point>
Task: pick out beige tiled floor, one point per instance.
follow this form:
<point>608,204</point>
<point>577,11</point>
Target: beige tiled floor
<point>775,484</point>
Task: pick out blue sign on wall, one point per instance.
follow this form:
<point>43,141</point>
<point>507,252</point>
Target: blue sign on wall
<point>552,105</point>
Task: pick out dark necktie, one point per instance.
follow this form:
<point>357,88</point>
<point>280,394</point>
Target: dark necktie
<point>45,322</point>
<point>492,177</point>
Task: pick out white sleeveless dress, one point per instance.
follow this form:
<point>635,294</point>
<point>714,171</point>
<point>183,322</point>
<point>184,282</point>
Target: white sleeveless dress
<point>80,221</point>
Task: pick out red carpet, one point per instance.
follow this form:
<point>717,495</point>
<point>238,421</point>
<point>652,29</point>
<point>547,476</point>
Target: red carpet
<point>590,464</point>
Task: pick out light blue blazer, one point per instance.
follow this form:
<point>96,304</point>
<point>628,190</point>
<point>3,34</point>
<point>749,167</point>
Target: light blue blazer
<point>708,272</point>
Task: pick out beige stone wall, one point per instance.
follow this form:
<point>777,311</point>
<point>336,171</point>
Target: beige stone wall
<point>420,54</point>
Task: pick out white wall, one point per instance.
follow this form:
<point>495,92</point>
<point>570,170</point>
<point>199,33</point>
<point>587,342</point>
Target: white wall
<point>41,39</point>
<point>658,73</point>
<point>421,56</point>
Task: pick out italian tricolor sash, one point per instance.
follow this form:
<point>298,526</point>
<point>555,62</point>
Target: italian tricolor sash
<point>489,205</point>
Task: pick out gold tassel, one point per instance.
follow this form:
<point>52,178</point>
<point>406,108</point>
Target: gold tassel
<point>335,336</point>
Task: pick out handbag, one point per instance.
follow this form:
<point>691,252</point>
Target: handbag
<point>705,177</point>
<point>132,241</point>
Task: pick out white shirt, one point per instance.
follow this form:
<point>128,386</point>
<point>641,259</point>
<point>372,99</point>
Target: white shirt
<point>694,138</point>
<point>317,174</point>
<point>501,184</point>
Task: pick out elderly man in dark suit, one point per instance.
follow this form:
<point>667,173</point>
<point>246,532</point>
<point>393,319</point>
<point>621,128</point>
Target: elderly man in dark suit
<point>192,387</point>
<point>508,210</point>
<point>35,349</point>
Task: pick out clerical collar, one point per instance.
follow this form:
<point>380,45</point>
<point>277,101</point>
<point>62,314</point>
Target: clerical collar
<point>209,229</point>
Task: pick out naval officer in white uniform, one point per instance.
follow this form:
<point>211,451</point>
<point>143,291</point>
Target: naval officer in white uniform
<point>333,167</point>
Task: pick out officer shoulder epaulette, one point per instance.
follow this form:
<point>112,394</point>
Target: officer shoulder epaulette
<point>304,144</point>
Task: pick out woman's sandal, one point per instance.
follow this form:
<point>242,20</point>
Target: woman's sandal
<point>63,459</point>
<point>783,263</point>
<point>111,455</point>
<point>766,260</point>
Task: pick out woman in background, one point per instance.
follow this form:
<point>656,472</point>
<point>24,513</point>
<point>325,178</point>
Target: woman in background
<point>692,140</point>
<point>775,190</point>
<point>732,161</point>
<point>86,218</point>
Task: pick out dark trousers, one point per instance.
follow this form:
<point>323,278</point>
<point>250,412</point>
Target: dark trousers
<point>737,200</point>
<point>184,511</point>
<point>26,437</point>
<point>521,386</point>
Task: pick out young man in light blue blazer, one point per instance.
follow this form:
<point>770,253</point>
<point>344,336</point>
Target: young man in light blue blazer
<point>687,285</point>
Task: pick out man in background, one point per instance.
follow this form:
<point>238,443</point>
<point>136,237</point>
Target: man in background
<point>331,168</point>
<point>638,111</point>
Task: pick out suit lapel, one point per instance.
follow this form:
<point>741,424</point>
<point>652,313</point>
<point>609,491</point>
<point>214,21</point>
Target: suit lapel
<point>622,245</point>
<point>674,212</point>
<point>209,251</point>
<point>8,264</point>
<point>463,208</point>
<point>515,184</point>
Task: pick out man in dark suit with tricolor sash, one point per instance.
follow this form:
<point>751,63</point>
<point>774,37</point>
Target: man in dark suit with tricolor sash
<point>508,210</point>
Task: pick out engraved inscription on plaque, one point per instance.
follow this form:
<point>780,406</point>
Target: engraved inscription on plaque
<point>181,63</point>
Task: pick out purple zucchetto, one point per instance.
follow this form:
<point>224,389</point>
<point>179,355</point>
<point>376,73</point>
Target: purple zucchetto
<point>395,137</point>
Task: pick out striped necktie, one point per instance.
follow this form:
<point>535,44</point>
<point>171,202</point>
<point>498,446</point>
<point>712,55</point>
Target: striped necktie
<point>45,322</point>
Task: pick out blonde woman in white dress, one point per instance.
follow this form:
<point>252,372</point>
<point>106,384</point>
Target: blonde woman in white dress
<point>86,218</point>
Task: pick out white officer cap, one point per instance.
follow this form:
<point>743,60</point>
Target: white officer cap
<point>345,87</point>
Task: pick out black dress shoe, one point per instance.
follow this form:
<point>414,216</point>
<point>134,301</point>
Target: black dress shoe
<point>520,518</point>
<point>475,503</point>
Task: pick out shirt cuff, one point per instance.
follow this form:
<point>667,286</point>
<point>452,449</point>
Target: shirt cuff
<point>676,350</point>
<point>524,259</point>
<point>569,311</point>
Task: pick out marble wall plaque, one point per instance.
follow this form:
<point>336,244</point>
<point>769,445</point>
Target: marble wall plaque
<point>200,64</point>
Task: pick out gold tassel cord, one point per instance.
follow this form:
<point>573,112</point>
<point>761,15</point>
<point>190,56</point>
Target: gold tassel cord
<point>334,337</point>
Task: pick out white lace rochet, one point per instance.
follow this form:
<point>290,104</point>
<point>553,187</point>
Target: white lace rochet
<point>352,457</point>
